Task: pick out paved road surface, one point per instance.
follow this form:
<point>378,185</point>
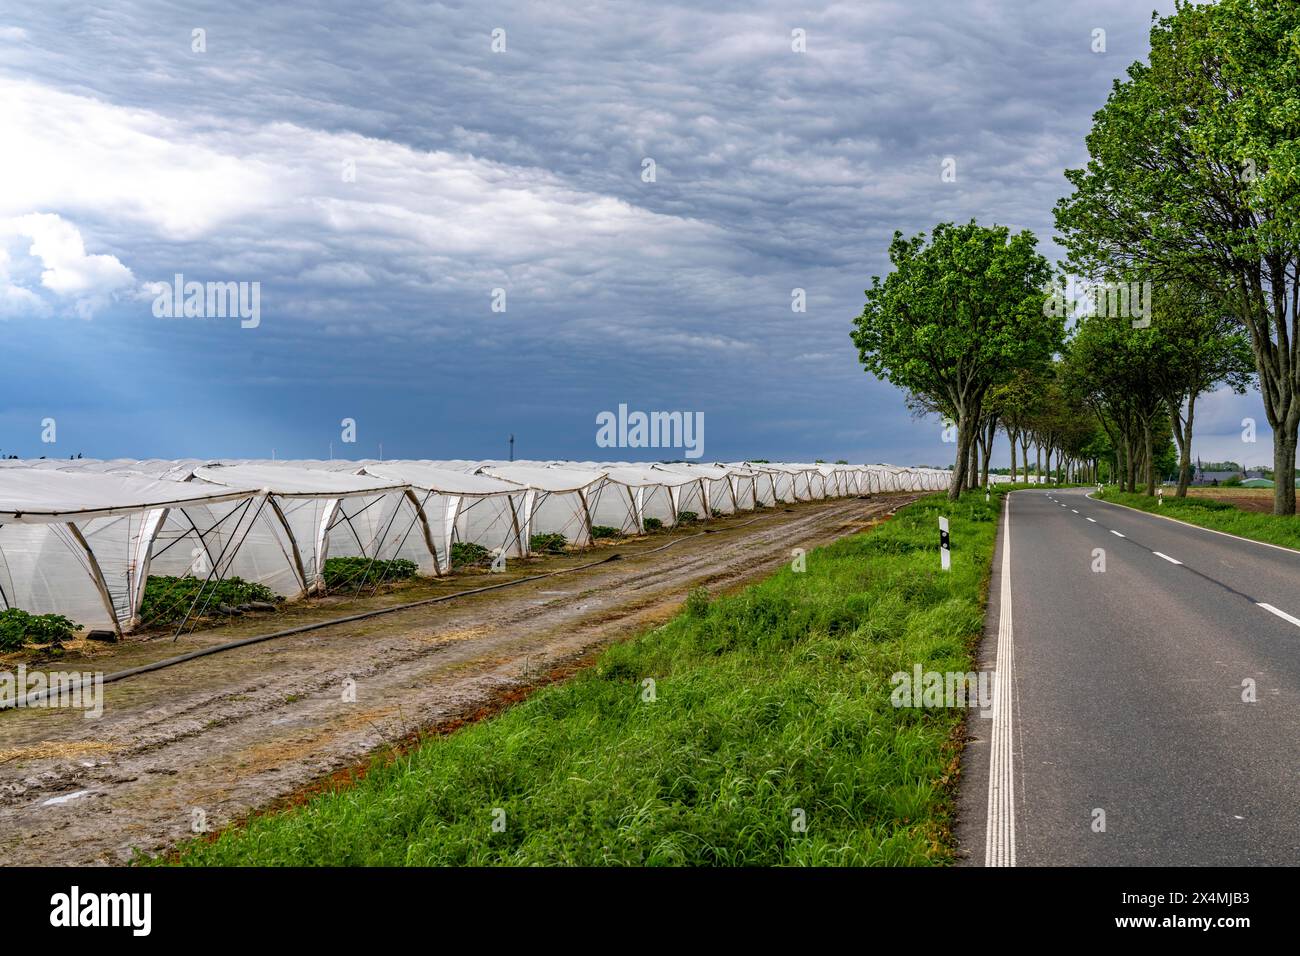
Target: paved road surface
<point>1126,694</point>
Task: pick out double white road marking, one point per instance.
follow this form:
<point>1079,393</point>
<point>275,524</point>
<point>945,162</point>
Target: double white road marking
<point>1000,827</point>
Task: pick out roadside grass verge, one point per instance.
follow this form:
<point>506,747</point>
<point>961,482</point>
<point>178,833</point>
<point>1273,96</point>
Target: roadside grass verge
<point>768,707</point>
<point>1216,515</point>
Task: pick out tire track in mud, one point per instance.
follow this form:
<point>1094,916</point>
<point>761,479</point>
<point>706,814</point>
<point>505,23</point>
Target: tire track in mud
<point>237,731</point>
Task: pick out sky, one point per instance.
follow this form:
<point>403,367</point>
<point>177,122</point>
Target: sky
<point>470,221</point>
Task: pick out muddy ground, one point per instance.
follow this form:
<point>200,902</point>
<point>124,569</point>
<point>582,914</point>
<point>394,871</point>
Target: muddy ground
<point>220,736</point>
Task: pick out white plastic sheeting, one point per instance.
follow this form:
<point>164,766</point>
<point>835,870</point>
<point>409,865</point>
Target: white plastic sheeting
<point>79,543</point>
<point>80,537</point>
<point>323,513</point>
<point>460,506</point>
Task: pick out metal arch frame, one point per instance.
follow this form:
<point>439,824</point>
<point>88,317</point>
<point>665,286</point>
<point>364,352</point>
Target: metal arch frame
<point>96,576</point>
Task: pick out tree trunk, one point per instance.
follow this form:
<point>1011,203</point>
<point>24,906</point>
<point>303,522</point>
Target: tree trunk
<point>1024,453</point>
<point>965,436</point>
<point>1183,432</point>
<point>1011,435</point>
<point>1130,466</point>
<point>986,448</point>
<point>1284,445</point>
<point>1149,457</point>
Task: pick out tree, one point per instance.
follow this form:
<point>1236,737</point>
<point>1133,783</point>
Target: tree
<point>957,316</point>
<point>1205,349</point>
<point>1116,370</point>
<point>1192,171</point>
<point>1017,401</point>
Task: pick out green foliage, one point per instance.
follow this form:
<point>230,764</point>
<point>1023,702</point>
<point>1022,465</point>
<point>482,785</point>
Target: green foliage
<point>605,531</point>
<point>467,554</point>
<point>548,543</point>
<point>357,572</point>
<point>768,700</point>
<point>652,524</point>
<point>18,628</point>
<point>1191,183</point>
<point>167,600</point>
<point>964,308</point>
<point>697,602</point>
<point>959,314</point>
<point>687,517</point>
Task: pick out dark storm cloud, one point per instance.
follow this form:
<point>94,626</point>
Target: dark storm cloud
<point>522,170</point>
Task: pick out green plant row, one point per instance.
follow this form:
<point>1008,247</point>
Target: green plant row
<point>19,629</point>
<point>169,600</point>
<point>356,572</point>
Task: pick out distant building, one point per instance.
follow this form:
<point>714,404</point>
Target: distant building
<point>1201,477</point>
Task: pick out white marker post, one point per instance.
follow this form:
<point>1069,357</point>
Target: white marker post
<point>1160,496</point>
<point>945,557</point>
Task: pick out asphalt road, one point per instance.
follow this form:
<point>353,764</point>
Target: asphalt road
<point>1126,694</point>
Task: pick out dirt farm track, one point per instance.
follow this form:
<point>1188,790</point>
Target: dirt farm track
<point>249,728</point>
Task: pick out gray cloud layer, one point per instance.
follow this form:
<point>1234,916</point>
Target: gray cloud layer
<point>522,170</point>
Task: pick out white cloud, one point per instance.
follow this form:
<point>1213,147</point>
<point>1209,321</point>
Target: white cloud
<point>269,202</point>
<point>85,281</point>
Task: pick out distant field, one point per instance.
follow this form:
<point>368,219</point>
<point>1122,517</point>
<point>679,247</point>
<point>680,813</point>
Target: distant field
<point>1247,499</point>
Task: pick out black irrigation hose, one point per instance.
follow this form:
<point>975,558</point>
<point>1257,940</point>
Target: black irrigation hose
<point>303,628</point>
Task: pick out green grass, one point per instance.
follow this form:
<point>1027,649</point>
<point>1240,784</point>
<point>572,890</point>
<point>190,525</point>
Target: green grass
<point>769,704</point>
<point>1218,515</point>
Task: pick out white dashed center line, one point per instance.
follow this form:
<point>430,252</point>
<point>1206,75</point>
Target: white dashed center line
<point>1075,510</point>
<point>1282,614</point>
<point>1116,534</point>
<point>1093,520</point>
<point>1166,557</point>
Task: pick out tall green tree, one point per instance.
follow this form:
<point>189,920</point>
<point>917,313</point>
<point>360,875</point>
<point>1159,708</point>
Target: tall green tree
<point>958,315</point>
<point>1193,172</point>
<point>1117,371</point>
<point>1203,349</point>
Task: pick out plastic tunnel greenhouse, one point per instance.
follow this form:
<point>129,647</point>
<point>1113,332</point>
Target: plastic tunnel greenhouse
<point>81,537</point>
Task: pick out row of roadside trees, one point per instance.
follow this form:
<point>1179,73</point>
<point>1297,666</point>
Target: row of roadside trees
<point>1189,205</point>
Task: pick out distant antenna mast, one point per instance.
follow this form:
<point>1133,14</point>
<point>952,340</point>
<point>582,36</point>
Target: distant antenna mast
<point>512,447</point>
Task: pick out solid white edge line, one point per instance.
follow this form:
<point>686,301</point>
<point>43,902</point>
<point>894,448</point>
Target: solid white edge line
<point>1000,826</point>
<point>1166,557</point>
<point>1282,614</point>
